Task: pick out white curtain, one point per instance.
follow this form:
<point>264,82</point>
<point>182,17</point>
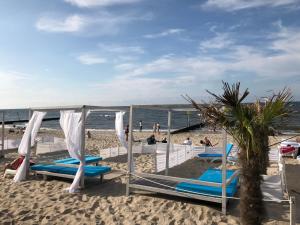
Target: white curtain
<point>120,128</point>
<point>71,124</point>
<point>121,134</point>
<point>30,133</point>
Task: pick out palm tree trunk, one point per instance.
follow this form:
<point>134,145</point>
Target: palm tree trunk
<point>263,146</point>
<point>251,207</point>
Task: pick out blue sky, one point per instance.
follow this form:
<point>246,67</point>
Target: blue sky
<point>120,52</point>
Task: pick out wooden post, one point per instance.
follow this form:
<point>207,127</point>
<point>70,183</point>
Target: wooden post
<point>292,210</point>
<point>168,144</point>
<point>82,150</point>
<point>224,172</point>
<point>2,138</point>
<point>129,151</point>
<point>27,157</point>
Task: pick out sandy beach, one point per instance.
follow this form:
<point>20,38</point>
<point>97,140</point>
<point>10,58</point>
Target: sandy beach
<point>46,202</point>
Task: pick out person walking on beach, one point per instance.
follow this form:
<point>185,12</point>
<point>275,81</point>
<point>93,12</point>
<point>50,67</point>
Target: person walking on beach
<point>158,127</point>
<point>141,125</point>
<point>154,128</point>
<point>89,135</point>
<point>127,132</point>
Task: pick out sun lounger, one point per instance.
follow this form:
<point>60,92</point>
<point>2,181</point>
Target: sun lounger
<point>89,159</point>
<point>69,172</point>
<point>9,172</point>
<point>215,156</point>
<point>211,175</point>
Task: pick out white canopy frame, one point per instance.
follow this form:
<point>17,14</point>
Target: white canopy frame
<point>4,151</point>
<point>163,188</point>
<point>2,133</point>
<point>83,109</point>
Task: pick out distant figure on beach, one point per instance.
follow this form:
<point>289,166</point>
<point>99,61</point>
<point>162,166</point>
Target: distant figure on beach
<point>141,125</point>
<point>164,140</point>
<point>151,140</point>
<point>158,127</point>
<point>207,142</point>
<point>154,128</point>
<point>89,135</point>
<point>127,132</point>
<point>187,141</point>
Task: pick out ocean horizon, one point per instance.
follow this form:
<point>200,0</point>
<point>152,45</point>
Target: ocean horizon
<point>104,120</point>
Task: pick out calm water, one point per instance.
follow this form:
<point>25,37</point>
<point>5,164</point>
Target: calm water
<point>105,120</point>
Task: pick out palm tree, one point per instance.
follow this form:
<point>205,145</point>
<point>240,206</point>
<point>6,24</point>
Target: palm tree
<point>249,125</point>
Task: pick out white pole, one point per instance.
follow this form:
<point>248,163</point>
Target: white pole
<point>224,172</point>
<point>82,150</point>
<point>2,138</point>
<point>27,157</point>
<point>168,144</point>
<point>129,152</point>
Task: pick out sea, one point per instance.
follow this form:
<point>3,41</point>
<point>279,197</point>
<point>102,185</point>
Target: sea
<point>106,120</point>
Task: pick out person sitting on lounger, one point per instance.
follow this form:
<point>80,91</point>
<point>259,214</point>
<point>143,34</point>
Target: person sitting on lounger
<point>151,140</point>
<point>207,143</point>
<point>187,141</point>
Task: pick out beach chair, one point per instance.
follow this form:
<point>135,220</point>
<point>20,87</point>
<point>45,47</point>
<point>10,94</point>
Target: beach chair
<point>215,176</point>
<point>69,171</point>
<point>9,172</point>
<point>89,159</point>
<point>215,156</point>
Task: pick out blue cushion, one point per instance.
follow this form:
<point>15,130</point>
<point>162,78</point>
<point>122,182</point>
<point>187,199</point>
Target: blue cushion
<point>89,171</point>
<point>211,175</point>
<point>88,160</point>
<point>216,155</point>
<point>207,155</point>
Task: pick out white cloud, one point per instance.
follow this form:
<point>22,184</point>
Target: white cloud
<point>91,59</point>
<point>125,66</point>
<point>100,3</point>
<point>165,33</point>
<point>165,78</point>
<point>220,41</point>
<point>286,40</point>
<point>115,48</point>
<point>72,23</point>
<point>143,90</point>
<point>101,23</point>
<point>233,5</point>
<point>278,59</point>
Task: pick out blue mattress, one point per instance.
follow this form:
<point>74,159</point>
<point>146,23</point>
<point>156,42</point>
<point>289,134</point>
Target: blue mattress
<point>214,155</point>
<point>89,159</point>
<point>211,175</point>
<point>89,171</point>
<point>208,155</point>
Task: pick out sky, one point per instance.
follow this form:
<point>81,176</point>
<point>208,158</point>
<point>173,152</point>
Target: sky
<point>121,52</point>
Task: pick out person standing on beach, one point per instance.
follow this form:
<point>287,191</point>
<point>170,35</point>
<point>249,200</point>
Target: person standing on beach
<point>141,125</point>
<point>154,128</point>
<point>127,132</point>
<point>158,127</point>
